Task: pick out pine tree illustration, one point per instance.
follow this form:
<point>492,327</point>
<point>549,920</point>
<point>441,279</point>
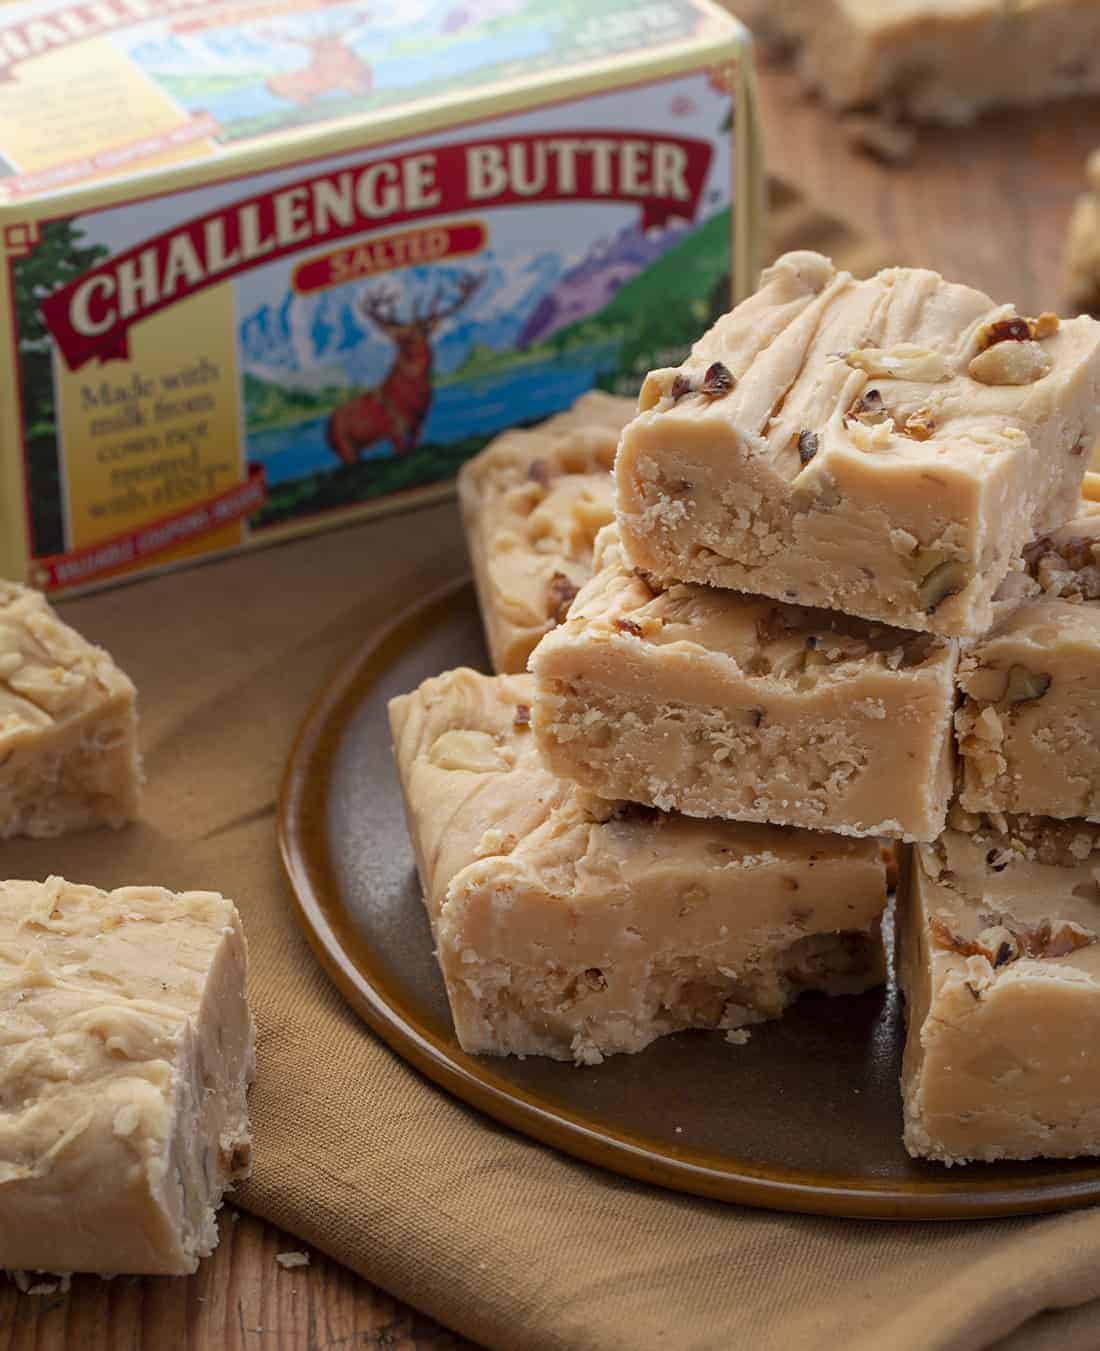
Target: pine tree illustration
<point>60,255</point>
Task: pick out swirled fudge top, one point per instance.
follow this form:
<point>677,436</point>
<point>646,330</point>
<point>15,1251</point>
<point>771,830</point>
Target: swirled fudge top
<point>48,672</point>
<point>905,365</point>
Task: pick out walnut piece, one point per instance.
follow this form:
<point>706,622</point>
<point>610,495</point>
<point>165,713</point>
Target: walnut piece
<point>717,381</point>
<point>919,425</point>
<point>562,593</point>
<point>1018,329</point>
<point>474,752</point>
<point>905,361</point>
<point>987,684</point>
<point>1014,329</point>
<point>1004,942</point>
<point>1023,685</point>
<point>946,579</point>
<point>869,409</point>
<point>1069,568</point>
<point>1011,363</point>
<point>644,627</point>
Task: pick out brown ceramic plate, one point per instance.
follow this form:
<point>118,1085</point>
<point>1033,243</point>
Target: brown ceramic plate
<point>804,1117</point>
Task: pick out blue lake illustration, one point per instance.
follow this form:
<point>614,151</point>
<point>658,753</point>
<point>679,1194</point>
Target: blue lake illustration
<point>480,407</point>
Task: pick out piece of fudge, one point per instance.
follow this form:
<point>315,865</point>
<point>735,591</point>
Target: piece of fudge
<point>68,725</point>
<point>126,1052</point>
<point>574,928</point>
<point>941,60</point>
<point>715,703</point>
<point>1000,968</point>
<point>1028,726</point>
<point>532,502</point>
<point>1082,256</point>
<point>883,447</point>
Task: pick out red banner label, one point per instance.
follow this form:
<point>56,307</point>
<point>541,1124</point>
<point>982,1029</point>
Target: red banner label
<point>83,565</point>
<point>91,316</point>
<point>385,253</point>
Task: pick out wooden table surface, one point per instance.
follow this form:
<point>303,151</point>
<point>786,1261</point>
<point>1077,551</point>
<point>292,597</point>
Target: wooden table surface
<point>987,205</point>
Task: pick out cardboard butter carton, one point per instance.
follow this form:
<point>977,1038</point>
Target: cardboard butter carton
<point>268,265</point>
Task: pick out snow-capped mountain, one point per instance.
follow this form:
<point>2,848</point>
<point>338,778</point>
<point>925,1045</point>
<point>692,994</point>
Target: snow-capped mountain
<point>309,341</point>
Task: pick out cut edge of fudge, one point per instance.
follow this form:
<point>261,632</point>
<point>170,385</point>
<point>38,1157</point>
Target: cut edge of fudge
<point>1028,724</point>
<point>69,755</point>
<point>129,1049</point>
<point>999,966</point>
<point>882,447</point>
<point>532,502</point>
<point>705,702</point>
<point>575,928</point>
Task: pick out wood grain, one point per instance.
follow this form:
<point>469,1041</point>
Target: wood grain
<point>241,1299</point>
<point>987,205</point>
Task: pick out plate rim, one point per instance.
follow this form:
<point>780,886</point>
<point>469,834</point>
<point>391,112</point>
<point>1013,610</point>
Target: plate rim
<point>303,796</point>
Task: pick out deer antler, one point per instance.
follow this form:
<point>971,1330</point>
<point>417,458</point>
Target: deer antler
<point>380,306</point>
<point>465,287</point>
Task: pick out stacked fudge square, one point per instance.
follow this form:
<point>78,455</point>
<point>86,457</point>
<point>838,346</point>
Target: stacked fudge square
<point>569,923</point>
<point>999,918</point>
<point>848,488</point>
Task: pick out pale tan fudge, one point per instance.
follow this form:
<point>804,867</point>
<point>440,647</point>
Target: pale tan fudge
<point>68,725</point>
<point>574,928</point>
<point>942,60</point>
<point>1029,723</point>
<point>715,703</point>
<point>1000,969</point>
<point>126,1051</point>
<point>532,502</point>
<point>884,447</point>
<point>1082,256</point>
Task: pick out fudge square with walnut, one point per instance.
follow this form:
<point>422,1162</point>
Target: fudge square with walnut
<point>716,703</point>
<point>68,725</point>
<point>572,927</point>
<point>126,1054</point>
<point>884,448</point>
<point>1029,723</point>
<point>532,503</point>
<point>1000,969</point>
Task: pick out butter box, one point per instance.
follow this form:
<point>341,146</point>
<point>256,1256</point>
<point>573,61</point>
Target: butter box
<point>271,265</point>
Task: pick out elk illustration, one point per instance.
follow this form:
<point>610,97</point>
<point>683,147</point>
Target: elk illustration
<point>395,410</point>
<point>333,67</point>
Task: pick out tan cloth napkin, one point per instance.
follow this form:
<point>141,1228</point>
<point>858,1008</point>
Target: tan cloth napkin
<point>510,1243</point>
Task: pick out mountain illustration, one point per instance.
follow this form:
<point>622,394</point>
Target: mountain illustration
<point>591,284</point>
<point>314,341</point>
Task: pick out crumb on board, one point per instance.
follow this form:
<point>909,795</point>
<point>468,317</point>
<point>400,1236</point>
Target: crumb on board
<point>51,1285</point>
<point>287,1260</point>
<point>737,1036</point>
